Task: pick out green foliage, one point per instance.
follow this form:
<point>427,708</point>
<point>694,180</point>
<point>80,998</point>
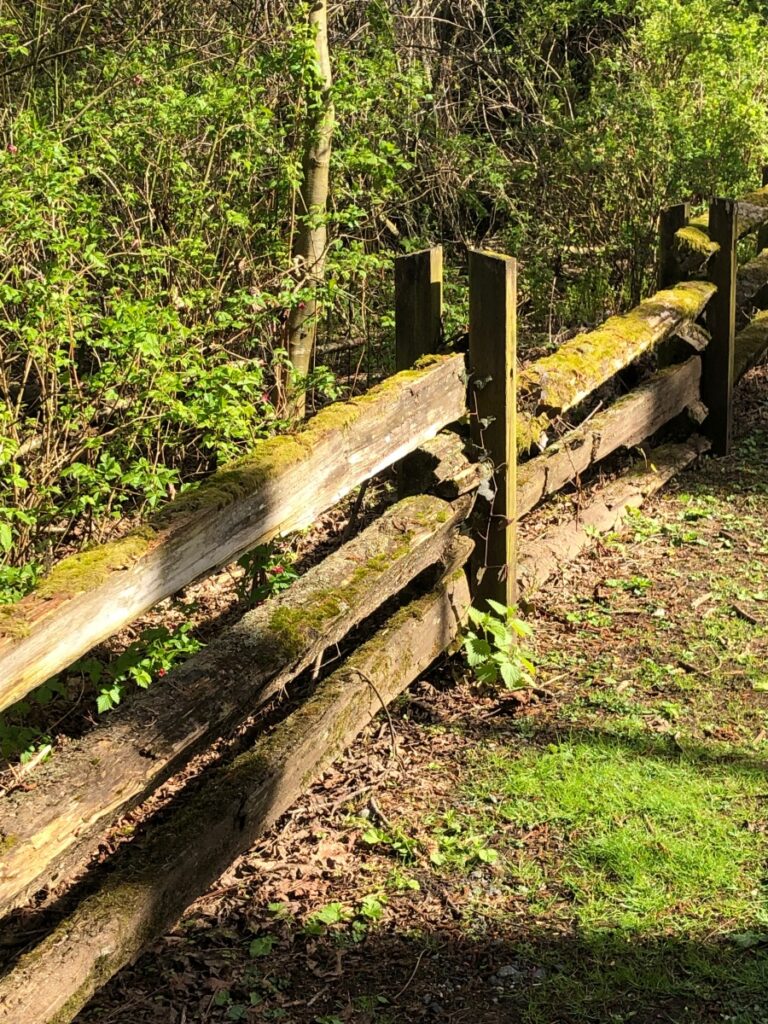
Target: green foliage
<point>266,571</point>
<point>151,656</point>
<point>493,650</point>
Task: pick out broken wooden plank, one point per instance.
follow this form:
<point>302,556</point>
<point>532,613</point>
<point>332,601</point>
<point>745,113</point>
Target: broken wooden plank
<point>560,381</point>
<point>285,484</point>
<point>751,345</point>
<point>542,556</point>
<point>49,832</point>
<point>625,424</point>
<point>159,876</point>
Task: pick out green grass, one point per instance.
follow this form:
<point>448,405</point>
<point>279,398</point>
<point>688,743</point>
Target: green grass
<point>645,838</point>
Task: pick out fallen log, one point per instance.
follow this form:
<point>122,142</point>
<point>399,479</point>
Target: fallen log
<point>181,857</point>
<point>541,557</point>
<point>560,381</point>
<point>751,345</point>
<point>626,423</point>
<point>285,484</point>
<point>49,832</point>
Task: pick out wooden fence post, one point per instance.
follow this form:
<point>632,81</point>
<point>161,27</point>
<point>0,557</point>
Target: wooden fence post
<point>762,234</point>
<point>492,390</point>
<point>671,219</point>
<point>418,305</point>
<point>718,358</point>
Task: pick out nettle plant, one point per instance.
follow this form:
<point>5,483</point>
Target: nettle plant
<point>493,650</point>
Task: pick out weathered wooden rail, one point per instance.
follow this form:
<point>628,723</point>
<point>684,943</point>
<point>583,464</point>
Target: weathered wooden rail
<point>480,485</point>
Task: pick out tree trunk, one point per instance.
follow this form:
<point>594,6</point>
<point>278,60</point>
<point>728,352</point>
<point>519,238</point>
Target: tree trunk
<point>309,249</point>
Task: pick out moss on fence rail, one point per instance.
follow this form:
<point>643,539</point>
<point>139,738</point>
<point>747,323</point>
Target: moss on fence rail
<point>560,381</point>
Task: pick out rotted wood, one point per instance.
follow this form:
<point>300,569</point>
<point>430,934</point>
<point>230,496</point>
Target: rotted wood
<point>284,485</point>
<point>541,557</point>
<point>48,832</point>
<point>159,876</point>
<point>560,381</point>
<point>441,466</point>
<point>625,424</point>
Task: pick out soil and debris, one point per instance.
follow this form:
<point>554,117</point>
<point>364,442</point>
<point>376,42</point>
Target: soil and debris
<point>592,849</point>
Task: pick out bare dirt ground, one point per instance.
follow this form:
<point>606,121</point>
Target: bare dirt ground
<point>590,850</point>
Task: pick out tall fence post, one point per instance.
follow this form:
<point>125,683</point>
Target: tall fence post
<point>671,220</point>
<point>418,305</point>
<point>492,390</point>
<point>762,234</point>
<point>717,376</point>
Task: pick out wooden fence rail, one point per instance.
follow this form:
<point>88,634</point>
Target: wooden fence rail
<point>284,485</point>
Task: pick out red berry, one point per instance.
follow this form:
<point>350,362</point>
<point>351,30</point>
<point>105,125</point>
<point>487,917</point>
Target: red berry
<point>161,671</point>
<point>12,149</point>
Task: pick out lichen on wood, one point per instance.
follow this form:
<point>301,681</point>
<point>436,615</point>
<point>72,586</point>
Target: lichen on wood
<point>284,485</point>
<point>180,857</point>
<point>560,381</point>
<point>128,754</point>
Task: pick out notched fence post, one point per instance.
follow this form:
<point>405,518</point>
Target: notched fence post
<point>418,315</point>
<point>418,305</point>
<point>718,358</point>
<point>671,220</point>
<point>492,390</point>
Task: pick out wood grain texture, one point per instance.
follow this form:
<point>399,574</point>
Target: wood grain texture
<point>50,832</point>
<point>284,485</point>
<point>160,876</point>
<point>560,381</point>
<point>493,420</point>
<point>751,345</point>
<point>418,305</point>
<point>625,424</point>
<point>541,557</point>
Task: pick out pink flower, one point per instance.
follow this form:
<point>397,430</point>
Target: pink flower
<point>277,570</point>
<point>161,671</point>
<point>12,149</point>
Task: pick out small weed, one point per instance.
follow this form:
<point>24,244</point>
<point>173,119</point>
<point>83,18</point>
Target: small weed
<point>493,652</point>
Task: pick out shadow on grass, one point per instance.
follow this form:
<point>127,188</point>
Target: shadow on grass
<point>441,974</point>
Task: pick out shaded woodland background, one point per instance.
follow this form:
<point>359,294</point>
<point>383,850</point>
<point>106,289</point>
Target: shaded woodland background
<point>151,160</point>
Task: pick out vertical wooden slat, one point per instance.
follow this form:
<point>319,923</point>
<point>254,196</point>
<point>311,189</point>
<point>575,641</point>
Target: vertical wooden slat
<point>418,305</point>
<point>670,221</point>
<point>762,234</point>
<point>718,358</point>
<point>492,389</point>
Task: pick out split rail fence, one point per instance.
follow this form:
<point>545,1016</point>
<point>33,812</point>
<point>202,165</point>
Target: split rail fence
<point>453,531</point>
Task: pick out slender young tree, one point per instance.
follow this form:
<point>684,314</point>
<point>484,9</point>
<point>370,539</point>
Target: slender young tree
<point>310,243</point>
